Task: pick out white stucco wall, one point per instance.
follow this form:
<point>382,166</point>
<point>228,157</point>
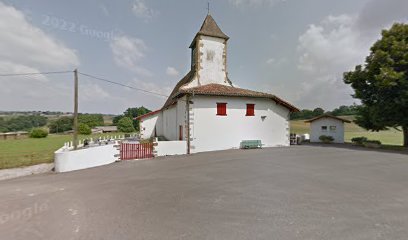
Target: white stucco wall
<point>211,132</point>
<point>181,118</point>
<point>316,129</point>
<point>66,161</point>
<point>212,62</point>
<point>148,125</point>
<point>167,148</point>
<point>170,123</point>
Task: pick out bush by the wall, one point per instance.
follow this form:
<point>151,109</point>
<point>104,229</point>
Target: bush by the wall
<point>84,129</point>
<point>373,142</point>
<point>326,139</point>
<point>359,140</point>
<point>38,133</point>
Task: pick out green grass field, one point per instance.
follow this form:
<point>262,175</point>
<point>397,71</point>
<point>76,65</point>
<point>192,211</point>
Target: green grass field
<point>31,151</point>
<point>390,137</point>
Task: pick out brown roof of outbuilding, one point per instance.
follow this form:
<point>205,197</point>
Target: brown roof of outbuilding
<point>327,116</point>
<point>147,114</point>
<point>223,90</point>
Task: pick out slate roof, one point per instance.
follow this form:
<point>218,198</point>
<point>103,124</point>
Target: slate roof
<point>214,89</point>
<point>327,116</point>
<point>223,90</point>
<point>186,79</point>
<point>210,28</point>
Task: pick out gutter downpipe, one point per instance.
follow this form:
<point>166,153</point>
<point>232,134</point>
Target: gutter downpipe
<point>188,123</point>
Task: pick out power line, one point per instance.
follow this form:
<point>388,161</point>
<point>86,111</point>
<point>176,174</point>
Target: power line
<point>32,73</point>
<point>84,74</point>
<point>123,85</point>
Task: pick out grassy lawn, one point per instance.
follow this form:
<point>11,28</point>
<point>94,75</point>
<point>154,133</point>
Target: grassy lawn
<point>31,151</point>
<point>390,137</point>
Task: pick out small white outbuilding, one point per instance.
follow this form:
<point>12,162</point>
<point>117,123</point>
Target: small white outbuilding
<point>327,125</point>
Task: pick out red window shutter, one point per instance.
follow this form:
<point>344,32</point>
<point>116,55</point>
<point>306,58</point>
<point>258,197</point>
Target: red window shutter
<point>250,110</point>
<point>221,109</point>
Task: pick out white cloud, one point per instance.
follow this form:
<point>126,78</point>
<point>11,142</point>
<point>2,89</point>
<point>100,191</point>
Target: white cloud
<point>171,71</point>
<point>128,53</point>
<point>276,62</point>
<point>104,10</point>
<point>254,3</point>
<point>153,87</point>
<point>331,45</point>
<point>25,44</point>
<point>326,51</point>
<point>141,10</point>
<point>336,45</point>
<point>26,48</point>
<point>270,60</point>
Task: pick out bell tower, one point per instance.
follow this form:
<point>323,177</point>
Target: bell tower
<point>209,55</point>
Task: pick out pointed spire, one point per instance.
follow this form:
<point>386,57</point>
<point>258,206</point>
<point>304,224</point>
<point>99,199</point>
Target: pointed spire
<point>210,28</point>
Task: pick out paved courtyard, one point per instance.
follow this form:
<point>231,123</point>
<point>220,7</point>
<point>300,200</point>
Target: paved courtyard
<point>304,192</point>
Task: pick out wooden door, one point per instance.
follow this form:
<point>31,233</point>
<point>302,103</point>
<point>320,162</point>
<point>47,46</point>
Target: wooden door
<point>181,133</point>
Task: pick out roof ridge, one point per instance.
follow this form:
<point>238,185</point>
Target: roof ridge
<point>211,28</point>
<point>328,116</point>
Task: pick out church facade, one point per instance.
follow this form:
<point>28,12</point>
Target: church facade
<point>207,112</point>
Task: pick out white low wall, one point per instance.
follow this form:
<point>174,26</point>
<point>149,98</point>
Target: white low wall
<point>66,161</point>
<point>165,148</point>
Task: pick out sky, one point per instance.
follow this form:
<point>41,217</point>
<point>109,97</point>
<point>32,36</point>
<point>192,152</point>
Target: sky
<point>295,49</point>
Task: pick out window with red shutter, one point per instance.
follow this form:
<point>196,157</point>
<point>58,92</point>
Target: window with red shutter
<point>221,109</point>
<point>250,110</point>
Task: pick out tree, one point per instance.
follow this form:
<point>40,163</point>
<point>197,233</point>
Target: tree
<point>3,125</point>
<point>21,123</point>
<point>345,110</point>
<point>382,83</point>
<point>84,129</point>
<point>92,120</point>
<point>306,114</point>
<point>318,112</point>
<point>126,125</point>
<point>131,113</point>
<point>116,119</point>
<point>61,124</point>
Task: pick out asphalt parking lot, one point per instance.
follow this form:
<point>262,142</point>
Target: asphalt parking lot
<point>304,192</point>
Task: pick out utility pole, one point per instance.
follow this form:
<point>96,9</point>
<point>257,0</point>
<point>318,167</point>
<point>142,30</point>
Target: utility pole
<point>75,137</point>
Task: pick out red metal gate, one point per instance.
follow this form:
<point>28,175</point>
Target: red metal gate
<point>129,151</point>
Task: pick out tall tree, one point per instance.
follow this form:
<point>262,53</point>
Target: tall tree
<point>382,83</point>
<point>135,112</point>
<point>125,125</point>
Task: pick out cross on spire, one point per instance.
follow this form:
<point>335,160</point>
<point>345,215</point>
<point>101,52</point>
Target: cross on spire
<point>208,8</point>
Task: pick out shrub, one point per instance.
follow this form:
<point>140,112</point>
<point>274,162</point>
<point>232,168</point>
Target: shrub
<point>359,140</point>
<point>373,142</point>
<point>84,129</point>
<point>38,133</point>
<point>126,125</point>
<point>326,139</point>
